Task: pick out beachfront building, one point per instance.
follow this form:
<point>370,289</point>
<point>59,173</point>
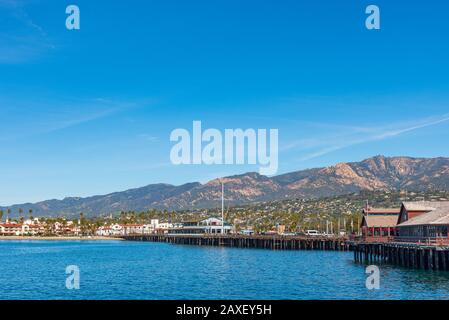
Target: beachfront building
<point>32,222</point>
<point>132,229</point>
<point>19,229</point>
<point>154,227</point>
<point>158,227</point>
<point>31,229</point>
<point>66,228</point>
<point>424,221</point>
<point>379,224</point>
<point>206,226</point>
<point>116,230</point>
<point>104,231</point>
<point>111,230</point>
<point>145,228</point>
<point>11,229</point>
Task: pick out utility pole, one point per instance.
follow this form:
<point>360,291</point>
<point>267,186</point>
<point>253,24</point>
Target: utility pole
<point>358,225</point>
<point>222,208</point>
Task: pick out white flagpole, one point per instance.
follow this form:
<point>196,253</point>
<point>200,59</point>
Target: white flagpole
<point>222,208</point>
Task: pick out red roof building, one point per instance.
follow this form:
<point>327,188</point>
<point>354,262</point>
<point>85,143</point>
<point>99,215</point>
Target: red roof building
<point>424,221</point>
<point>379,224</point>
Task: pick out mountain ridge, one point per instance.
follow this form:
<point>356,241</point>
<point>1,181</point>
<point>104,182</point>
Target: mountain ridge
<point>372,174</point>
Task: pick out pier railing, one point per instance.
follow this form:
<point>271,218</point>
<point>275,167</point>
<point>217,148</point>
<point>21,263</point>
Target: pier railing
<point>376,239</point>
<point>439,241</point>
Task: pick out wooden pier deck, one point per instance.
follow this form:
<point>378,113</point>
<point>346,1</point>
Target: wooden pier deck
<point>408,255</point>
<point>258,241</point>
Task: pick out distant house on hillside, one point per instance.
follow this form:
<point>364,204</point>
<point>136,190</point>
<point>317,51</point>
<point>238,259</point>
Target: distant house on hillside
<point>379,224</point>
<point>424,221</point>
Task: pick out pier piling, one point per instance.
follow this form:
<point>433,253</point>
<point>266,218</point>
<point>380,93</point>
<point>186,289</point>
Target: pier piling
<point>407,255</point>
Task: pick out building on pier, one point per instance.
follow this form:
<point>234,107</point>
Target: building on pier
<point>424,221</point>
<point>368,210</point>
<point>206,226</point>
<point>379,224</point>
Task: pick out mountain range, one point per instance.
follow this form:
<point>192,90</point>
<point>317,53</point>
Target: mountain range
<point>378,173</point>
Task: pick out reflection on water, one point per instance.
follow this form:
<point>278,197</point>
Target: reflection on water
<point>421,284</point>
<point>128,270</point>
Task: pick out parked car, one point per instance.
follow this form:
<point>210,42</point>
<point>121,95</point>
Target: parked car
<point>313,233</point>
<point>247,232</point>
<point>269,233</point>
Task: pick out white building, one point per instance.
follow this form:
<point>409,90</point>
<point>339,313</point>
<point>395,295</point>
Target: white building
<point>154,223</point>
<point>133,228</point>
<point>11,229</point>
<point>111,230</point>
<point>17,229</point>
<point>32,222</point>
<point>206,226</point>
<point>104,231</point>
<point>128,229</point>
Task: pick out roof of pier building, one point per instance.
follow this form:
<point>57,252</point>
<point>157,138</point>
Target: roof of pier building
<point>380,221</point>
<point>381,211</point>
<point>434,213</point>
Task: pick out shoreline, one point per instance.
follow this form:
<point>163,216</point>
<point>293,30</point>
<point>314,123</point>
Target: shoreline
<point>96,238</point>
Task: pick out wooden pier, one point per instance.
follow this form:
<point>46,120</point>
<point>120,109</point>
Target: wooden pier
<point>259,241</point>
<point>408,255</point>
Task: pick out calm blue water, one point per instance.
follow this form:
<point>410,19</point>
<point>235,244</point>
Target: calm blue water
<point>136,270</point>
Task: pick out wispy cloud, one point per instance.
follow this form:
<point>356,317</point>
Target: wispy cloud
<point>426,123</point>
<point>358,135</point>
<point>148,137</point>
<point>21,38</point>
<point>82,112</point>
<point>51,116</point>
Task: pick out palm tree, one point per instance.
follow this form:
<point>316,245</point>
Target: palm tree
<point>82,223</point>
<point>142,217</point>
<point>133,217</point>
<point>1,215</point>
<point>30,212</point>
<point>64,226</point>
<point>122,218</point>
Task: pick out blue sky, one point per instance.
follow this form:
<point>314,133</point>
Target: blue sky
<point>90,112</point>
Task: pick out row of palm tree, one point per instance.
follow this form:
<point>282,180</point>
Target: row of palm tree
<point>8,213</point>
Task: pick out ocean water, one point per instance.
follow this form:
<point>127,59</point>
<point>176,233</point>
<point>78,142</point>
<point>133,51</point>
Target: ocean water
<point>145,270</point>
